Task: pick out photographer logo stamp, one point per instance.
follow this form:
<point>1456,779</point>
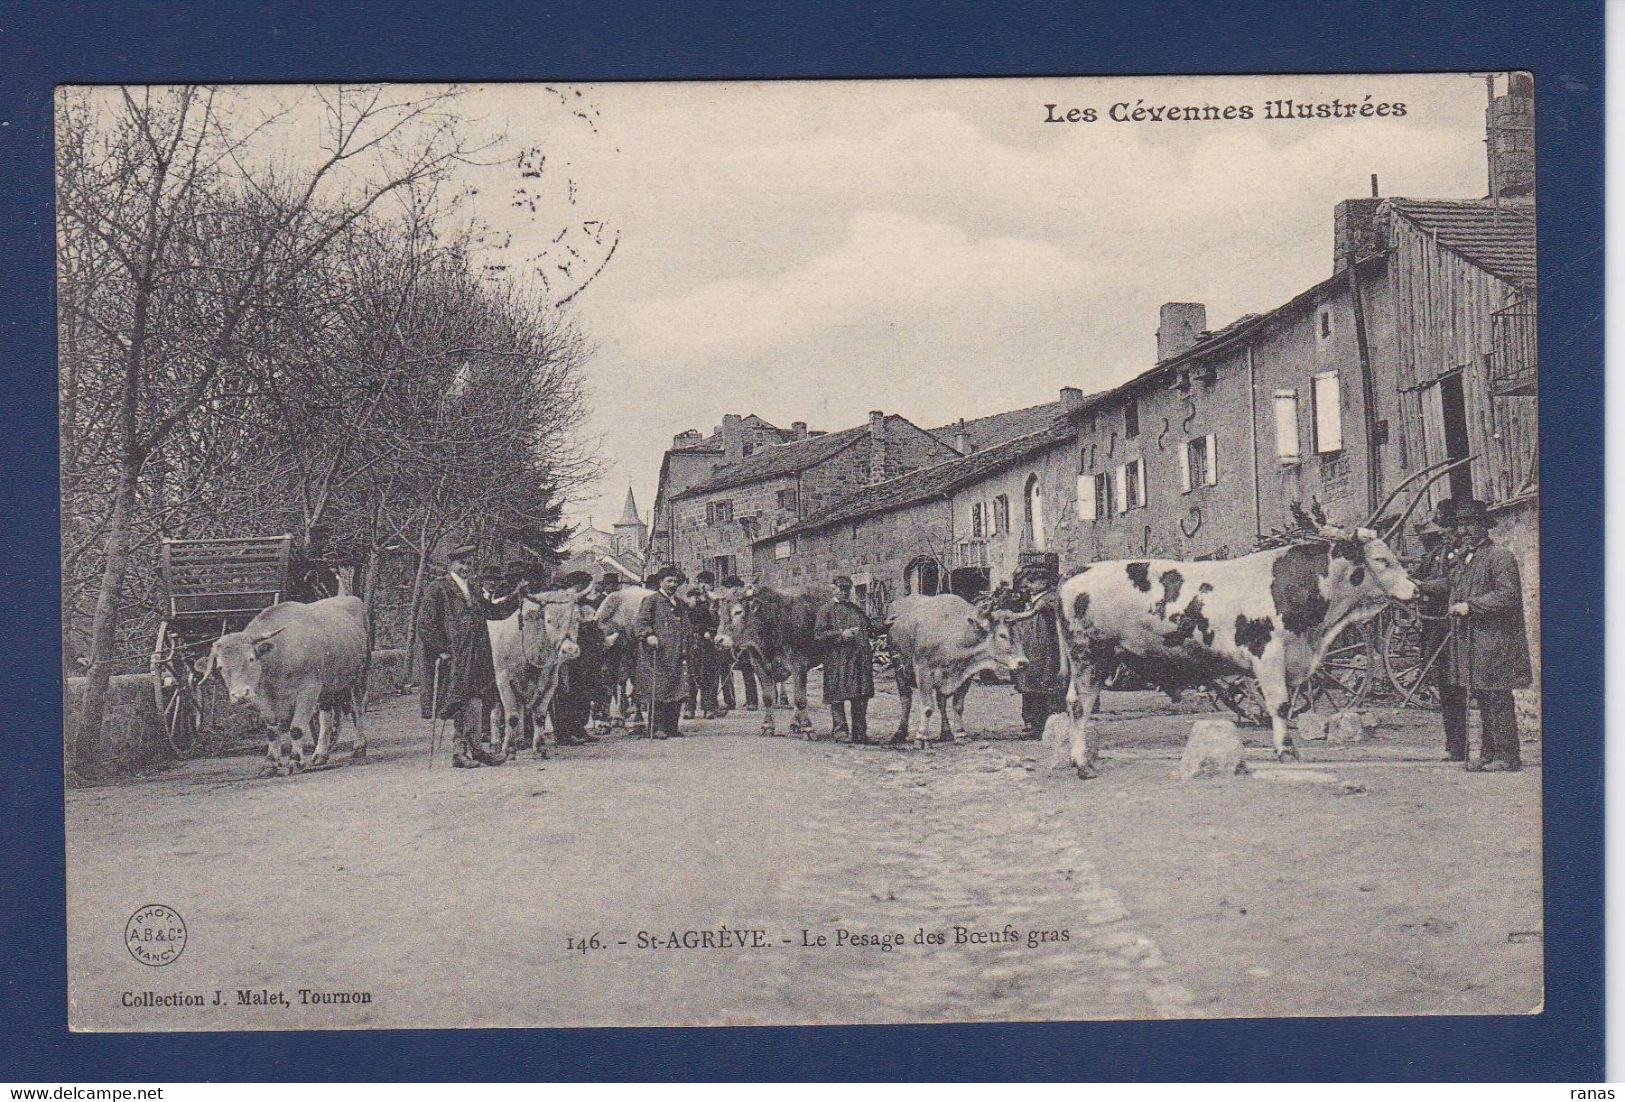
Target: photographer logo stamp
<point>155,935</point>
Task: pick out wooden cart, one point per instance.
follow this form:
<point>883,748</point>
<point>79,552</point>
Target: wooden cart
<point>211,587</point>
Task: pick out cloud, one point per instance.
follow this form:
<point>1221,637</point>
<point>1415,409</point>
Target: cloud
<point>891,270</point>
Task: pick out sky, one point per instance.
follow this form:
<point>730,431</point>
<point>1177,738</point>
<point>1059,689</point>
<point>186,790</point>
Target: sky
<point>810,251</point>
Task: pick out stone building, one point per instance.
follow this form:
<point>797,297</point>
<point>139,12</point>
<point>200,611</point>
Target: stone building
<point>920,532</point>
<point>693,458</point>
<point>753,494</point>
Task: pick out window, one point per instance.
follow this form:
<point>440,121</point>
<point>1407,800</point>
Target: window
<point>1286,426</point>
<point>1133,483</point>
<point>784,548</point>
<point>977,526</point>
<point>1086,496</point>
<point>1328,402</point>
<point>1001,514</point>
<point>722,566</point>
<point>719,512</point>
<point>787,500</point>
<point>1199,465</point>
<point>1105,498</point>
<point>1325,323</point>
<point>1131,419</point>
<point>854,530</point>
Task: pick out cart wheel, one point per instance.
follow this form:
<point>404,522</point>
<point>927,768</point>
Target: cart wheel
<point>183,722</point>
<point>1404,651</point>
<point>1240,694</point>
<point>1344,679</point>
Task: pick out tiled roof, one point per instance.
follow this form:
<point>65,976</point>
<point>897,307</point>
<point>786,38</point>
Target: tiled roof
<point>1500,238</point>
<point>929,482</point>
<point>996,429</point>
<point>779,460</point>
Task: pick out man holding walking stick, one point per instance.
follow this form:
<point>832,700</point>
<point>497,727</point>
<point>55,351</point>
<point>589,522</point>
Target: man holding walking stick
<point>1487,654</point>
<point>456,672</point>
<point>662,635</point>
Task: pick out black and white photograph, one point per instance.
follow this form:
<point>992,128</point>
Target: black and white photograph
<point>799,552</point>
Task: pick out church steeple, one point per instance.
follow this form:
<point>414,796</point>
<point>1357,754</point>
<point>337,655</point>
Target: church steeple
<point>630,532</point>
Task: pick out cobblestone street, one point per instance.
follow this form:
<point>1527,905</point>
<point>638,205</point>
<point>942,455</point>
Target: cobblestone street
<point>456,898</point>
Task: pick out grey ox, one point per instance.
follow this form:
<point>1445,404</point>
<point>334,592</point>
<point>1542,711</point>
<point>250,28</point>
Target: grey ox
<point>296,662</point>
<point>528,652</point>
<point>940,644</point>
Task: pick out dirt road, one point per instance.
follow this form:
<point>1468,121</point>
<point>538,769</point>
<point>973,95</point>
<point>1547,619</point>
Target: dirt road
<point>728,878</point>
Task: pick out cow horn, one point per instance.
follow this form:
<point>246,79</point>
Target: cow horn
<point>258,639</point>
<point>1441,471</point>
<point>750,591</point>
<point>1332,532</point>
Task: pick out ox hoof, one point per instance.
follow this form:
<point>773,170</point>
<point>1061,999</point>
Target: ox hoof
<point>317,761</point>
<point>1288,753</point>
<point>1087,772</point>
<point>358,754</point>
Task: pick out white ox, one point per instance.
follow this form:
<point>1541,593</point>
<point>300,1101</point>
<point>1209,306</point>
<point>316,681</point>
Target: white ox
<point>528,651</point>
<point>941,643</point>
<point>295,662</point>
<point>1272,614</point>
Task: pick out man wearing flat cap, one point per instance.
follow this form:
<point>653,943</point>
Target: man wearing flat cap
<point>457,677</point>
<point>1042,688</point>
<point>702,648</point>
<point>580,679</point>
<point>1487,652</point>
<point>842,631</point>
<point>661,631</point>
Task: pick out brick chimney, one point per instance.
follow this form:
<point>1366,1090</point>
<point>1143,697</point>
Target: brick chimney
<point>733,438</point>
<point>798,430</point>
<point>1072,398</point>
<point>877,446</point>
<point>1510,138</point>
<point>962,441</point>
<point>1356,230</point>
<point>1180,323</point>
<point>686,439</point>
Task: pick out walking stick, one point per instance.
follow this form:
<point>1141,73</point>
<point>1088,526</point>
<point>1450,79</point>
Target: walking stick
<point>435,723</point>
<point>650,726</point>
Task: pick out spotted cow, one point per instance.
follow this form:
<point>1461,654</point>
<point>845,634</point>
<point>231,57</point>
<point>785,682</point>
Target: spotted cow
<point>1272,614</point>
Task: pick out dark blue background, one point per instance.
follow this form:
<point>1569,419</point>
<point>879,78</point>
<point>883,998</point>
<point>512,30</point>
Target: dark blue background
<point>1561,42</point>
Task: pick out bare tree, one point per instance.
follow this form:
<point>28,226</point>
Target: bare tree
<point>179,250</point>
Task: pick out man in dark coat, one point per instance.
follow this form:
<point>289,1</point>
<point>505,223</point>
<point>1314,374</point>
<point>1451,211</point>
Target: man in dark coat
<point>457,677</point>
<point>702,649</point>
<point>842,632</point>
<point>579,680</point>
<point>1487,654</point>
<point>1432,574</point>
<point>662,631</point>
<point>1042,688</point>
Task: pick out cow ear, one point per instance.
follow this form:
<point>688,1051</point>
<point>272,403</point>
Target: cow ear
<point>1365,535</point>
<point>263,648</point>
<point>978,622</point>
<point>750,591</point>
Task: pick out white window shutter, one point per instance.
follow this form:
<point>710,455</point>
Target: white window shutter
<point>1139,475</point>
<point>1212,460</point>
<point>1086,496</point>
<point>1185,468</point>
<point>1119,476</point>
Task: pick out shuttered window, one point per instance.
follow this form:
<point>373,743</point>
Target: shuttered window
<point>1086,496</point>
<point>1286,426</point>
<point>1199,463</point>
<point>1328,405</point>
